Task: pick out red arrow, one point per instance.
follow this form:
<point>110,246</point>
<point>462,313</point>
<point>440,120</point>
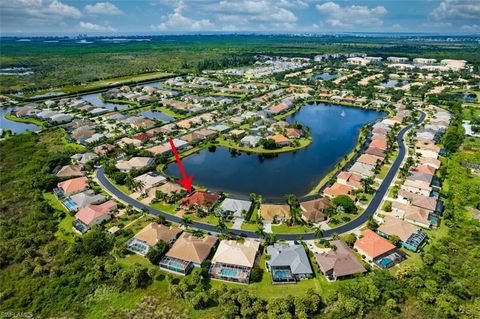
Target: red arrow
<point>185,181</point>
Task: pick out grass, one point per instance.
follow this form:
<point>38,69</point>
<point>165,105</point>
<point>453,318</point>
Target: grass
<point>304,142</point>
<point>65,230</point>
<point>285,229</point>
<point>29,120</point>
<point>383,171</point>
<point>168,208</point>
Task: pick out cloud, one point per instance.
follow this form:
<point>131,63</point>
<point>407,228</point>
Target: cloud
<point>471,27</point>
<point>176,21</point>
<point>35,14</point>
<point>102,8</point>
<point>96,27</point>
<point>457,9</point>
<point>351,16</point>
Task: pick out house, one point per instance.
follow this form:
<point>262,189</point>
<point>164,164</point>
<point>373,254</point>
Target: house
<point>206,133</point>
<point>150,235</point>
<point>432,162</point>
<point>339,263</point>
<point>170,188</point>
<point>274,212</point>
<point>92,215</point>
<point>150,179</point>
<point>234,260</point>
<point>288,263</point>
<point>250,140</point>
<point>350,179</point>
<point>362,169</point>
<point>424,169</point>
<point>375,151</point>
<point>70,171</point>
<point>370,160</point>
<point>71,186</point>
<point>276,109</point>
<point>199,199</point>
<point>377,249</point>
<point>129,141</point>
<point>192,137</point>
<point>381,144</point>
<point>84,158</point>
<point>411,236</point>
<point>187,252</point>
<point>136,163</point>
<point>338,189</point>
<point>280,140</point>
<point>293,132</point>
<point>236,133</point>
<point>312,210</point>
<point>83,199</point>
<point>425,202</point>
<point>160,149</point>
<point>235,207</point>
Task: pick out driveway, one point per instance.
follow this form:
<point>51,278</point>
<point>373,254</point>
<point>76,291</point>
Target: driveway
<point>237,224</point>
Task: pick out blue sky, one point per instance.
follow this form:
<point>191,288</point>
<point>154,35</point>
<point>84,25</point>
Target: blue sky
<point>25,17</point>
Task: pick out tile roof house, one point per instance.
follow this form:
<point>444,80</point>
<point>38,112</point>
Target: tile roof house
<point>374,247</point>
<point>170,188</point>
<point>234,260</point>
<point>83,158</point>
<point>280,140</point>
<point>203,200</point>
<point>370,159</point>
<point>433,162</point>
<point>293,132</point>
<point>187,252</point>
<point>417,187</point>
<point>338,189</point>
<point>274,212</point>
<point>376,152</point>
<point>70,171</point>
<point>150,179</point>
<point>150,235</point>
<point>312,210</point>
<point>363,169</point>
<point>350,179</point>
<point>381,144</point>
<point>288,263</point>
<point>86,198</point>
<point>135,162</point>
<point>250,140</point>
<point>72,186</point>
<point>425,169</point>
<point>425,202</point>
<point>235,206</point>
<point>411,236</point>
<point>339,263</point>
<point>93,215</point>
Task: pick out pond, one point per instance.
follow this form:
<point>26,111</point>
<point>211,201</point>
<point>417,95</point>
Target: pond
<point>156,115</point>
<point>326,76</point>
<point>334,131</point>
<point>393,83</point>
<point>95,100</point>
<point>15,127</point>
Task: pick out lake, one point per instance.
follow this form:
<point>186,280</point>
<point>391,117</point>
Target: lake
<point>156,115</point>
<point>325,76</point>
<point>15,127</point>
<point>393,83</point>
<point>95,100</point>
<point>334,131</point>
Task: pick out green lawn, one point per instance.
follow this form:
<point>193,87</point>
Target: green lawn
<point>65,230</point>
<point>29,120</point>
<point>383,171</point>
<point>285,229</point>
<point>168,208</point>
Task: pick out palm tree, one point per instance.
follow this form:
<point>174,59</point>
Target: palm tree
<point>221,226</point>
<point>186,221</point>
<point>260,232</point>
<point>335,236</point>
<point>318,232</point>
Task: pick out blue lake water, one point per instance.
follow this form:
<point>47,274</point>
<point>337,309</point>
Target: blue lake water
<point>325,76</point>
<point>297,172</point>
<point>15,127</point>
<point>95,100</point>
<point>393,83</point>
<point>156,115</point>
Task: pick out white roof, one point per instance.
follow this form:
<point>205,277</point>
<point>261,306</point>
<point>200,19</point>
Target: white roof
<point>237,253</point>
<point>235,205</point>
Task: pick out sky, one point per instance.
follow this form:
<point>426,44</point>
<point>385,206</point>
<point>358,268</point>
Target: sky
<point>62,17</point>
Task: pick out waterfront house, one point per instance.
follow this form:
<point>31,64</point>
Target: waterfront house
<point>234,260</point>
<point>339,263</point>
<point>288,263</point>
<point>376,249</point>
<point>280,140</point>
<point>363,169</point>
<point>71,186</point>
<point>150,179</point>
<point>313,210</point>
<point>150,235</point>
<point>235,207</point>
<point>375,151</point>
<point>135,162</point>
<point>236,133</point>
<point>381,144</point>
<point>187,252</point>
<point>251,141</point>
<point>70,171</point>
<point>350,179</point>
<point>93,215</point>
<point>338,189</point>
<point>370,160</point>
<point>199,199</point>
<point>274,212</point>
<point>411,236</point>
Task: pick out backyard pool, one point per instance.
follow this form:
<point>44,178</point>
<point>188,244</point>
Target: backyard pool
<point>227,272</point>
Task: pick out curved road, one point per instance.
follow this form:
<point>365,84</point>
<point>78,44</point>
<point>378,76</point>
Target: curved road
<point>357,222</point>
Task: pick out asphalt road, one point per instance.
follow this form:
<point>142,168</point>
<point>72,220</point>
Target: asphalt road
<point>357,222</point>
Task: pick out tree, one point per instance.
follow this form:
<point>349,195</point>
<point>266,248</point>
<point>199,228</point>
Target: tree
<point>256,274</point>
<point>394,239</point>
<point>318,232</point>
<point>156,253</point>
<point>367,184</point>
<point>186,221</point>
<point>346,203</point>
<point>96,242</point>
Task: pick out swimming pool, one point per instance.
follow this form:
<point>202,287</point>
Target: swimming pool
<point>385,262</point>
<point>281,274</point>
<point>228,272</point>
<point>176,265</point>
<point>70,204</point>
